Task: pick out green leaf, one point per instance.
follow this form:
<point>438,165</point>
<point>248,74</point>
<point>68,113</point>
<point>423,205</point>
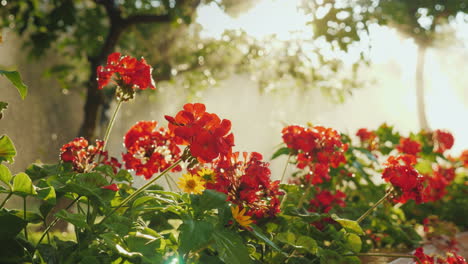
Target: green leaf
<point>3,106</point>
<point>281,151</point>
<point>77,220</point>
<point>5,175</point>
<point>299,242</point>
<point>147,245</point>
<point>12,251</point>
<point>307,243</point>
<point>424,167</point>
<point>354,242</point>
<point>123,175</point>
<point>7,149</point>
<point>37,172</point>
<point>46,192</point>
<point>286,237</point>
<point>194,235</point>
<point>22,185</point>
<point>89,185</point>
<point>15,79</point>
<point>349,225</point>
<point>31,217</point>
<point>10,224</point>
<point>231,247</point>
<point>210,199</point>
<point>258,233</point>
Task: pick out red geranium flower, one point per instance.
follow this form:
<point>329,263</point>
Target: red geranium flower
<point>317,148</point>
<point>407,182</point>
<point>423,258</point>
<point>365,135</point>
<point>324,201</point>
<point>436,184</point>
<point>127,71</point>
<point>409,146</point>
<point>84,156</point>
<point>464,158</point>
<point>443,140</point>
<point>149,150</point>
<point>368,138</point>
<point>247,184</point>
<point>205,133</point>
<point>453,258</point>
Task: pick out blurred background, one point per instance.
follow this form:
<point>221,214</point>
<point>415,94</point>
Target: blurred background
<point>262,64</point>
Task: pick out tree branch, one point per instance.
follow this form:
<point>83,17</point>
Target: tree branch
<point>142,19</point>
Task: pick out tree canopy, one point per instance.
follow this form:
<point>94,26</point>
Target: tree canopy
<point>165,32</point>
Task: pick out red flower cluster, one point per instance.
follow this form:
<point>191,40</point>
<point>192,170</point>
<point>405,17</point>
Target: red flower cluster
<point>367,137</point>
<point>464,158</point>
<point>150,151</point>
<point>443,140</point>
<point>408,183</point>
<point>83,155</point>
<point>324,201</point>
<point>452,258</point>
<point>409,146</point>
<point>436,184</point>
<point>128,72</point>
<point>317,148</point>
<point>205,133</point>
<point>247,184</point>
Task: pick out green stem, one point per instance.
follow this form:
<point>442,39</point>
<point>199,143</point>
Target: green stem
<point>306,193</point>
<point>55,221</point>
<point>390,255</point>
<point>175,183</point>
<point>285,168</point>
<point>48,236</point>
<point>6,200</point>
<point>26,226</point>
<point>110,125</point>
<point>168,183</point>
<point>374,206</point>
<point>87,212</point>
<point>141,189</point>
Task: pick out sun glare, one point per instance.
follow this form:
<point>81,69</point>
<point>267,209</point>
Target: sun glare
<point>393,67</point>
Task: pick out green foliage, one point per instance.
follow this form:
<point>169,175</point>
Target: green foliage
<point>3,106</point>
<point>7,149</point>
<point>349,225</point>
<point>346,23</point>
<point>230,247</point>
<point>15,79</point>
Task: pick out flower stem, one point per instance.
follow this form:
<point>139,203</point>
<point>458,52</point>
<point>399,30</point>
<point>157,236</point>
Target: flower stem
<point>141,189</point>
<point>391,255</point>
<point>374,206</point>
<point>306,193</point>
<point>6,200</point>
<point>110,125</point>
<point>46,231</point>
<point>168,183</point>
<point>26,226</point>
<point>285,167</point>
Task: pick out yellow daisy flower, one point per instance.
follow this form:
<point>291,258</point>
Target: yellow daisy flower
<point>191,184</point>
<point>207,174</point>
<point>240,217</point>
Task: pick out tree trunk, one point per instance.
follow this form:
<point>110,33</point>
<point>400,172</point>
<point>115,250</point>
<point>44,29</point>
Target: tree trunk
<point>420,103</point>
<point>93,104</point>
